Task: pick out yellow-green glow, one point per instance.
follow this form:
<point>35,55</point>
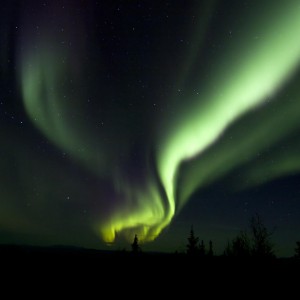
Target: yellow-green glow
<point>146,217</point>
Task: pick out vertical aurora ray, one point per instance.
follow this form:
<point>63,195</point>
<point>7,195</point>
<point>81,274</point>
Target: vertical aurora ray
<point>45,96</point>
<point>142,209</point>
<point>256,69</point>
<point>248,138</point>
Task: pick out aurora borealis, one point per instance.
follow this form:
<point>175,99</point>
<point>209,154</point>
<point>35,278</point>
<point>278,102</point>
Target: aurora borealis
<point>143,118</point>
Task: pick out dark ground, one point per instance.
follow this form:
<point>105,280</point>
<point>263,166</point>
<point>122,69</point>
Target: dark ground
<point>148,275</point>
<point>69,255</point>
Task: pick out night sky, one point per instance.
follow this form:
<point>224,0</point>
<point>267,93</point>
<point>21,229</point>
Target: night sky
<point>146,117</point>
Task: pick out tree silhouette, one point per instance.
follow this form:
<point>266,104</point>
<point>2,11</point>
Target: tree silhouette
<point>256,244</point>
<point>135,245</point>
<point>241,246</point>
<point>297,250</point>
<point>202,249</point>
<point>228,249</point>
<point>262,246</point>
<point>192,246</point>
<point>210,249</point>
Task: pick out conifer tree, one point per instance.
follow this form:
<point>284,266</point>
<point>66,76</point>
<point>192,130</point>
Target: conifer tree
<point>192,246</point>
<point>135,245</point>
<point>297,250</point>
<point>202,249</point>
<point>210,250</point>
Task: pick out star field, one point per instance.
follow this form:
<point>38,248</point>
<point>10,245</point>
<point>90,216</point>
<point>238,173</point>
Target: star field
<point>144,118</point>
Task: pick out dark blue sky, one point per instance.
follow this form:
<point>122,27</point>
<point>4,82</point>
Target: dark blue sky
<point>140,117</point>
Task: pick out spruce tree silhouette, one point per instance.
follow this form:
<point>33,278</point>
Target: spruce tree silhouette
<point>202,249</point>
<point>257,243</point>
<point>228,249</point>
<point>192,246</point>
<point>135,245</point>
<point>262,246</point>
<point>240,246</point>
<point>297,250</point>
<point>210,249</point>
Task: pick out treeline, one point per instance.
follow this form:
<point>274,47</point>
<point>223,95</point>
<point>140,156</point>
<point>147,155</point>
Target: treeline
<point>252,243</point>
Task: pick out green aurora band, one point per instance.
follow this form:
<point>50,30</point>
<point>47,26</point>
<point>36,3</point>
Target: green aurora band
<point>192,151</point>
